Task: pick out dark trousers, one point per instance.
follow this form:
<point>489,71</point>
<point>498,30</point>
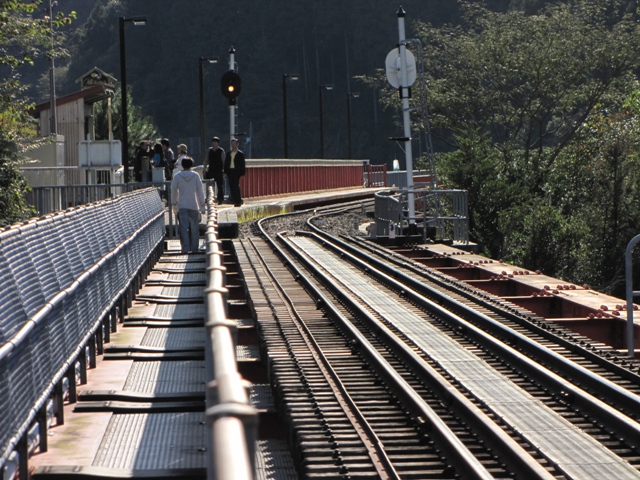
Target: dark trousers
<point>234,187</point>
<point>219,179</point>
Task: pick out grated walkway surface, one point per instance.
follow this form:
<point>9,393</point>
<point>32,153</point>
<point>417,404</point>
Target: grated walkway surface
<point>142,411</point>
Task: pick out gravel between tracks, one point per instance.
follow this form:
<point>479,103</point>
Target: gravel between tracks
<point>347,223</point>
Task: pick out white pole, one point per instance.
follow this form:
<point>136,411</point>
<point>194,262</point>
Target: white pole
<point>404,92</point>
<point>232,108</point>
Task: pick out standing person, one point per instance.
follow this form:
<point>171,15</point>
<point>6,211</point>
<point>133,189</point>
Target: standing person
<point>169,159</point>
<point>142,161</point>
<point>234,167</point>
<point>158,155</point>
<point>214,167</point>
<point>187,197</point>
<point>182,154</point>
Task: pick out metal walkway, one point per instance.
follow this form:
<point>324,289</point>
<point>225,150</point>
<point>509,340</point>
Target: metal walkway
<point>142,412</point>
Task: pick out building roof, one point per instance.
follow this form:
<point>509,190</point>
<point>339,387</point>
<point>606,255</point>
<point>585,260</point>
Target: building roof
<point>90,95</point>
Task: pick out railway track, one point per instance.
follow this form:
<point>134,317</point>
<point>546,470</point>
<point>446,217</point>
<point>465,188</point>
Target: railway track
<point>379,380</point>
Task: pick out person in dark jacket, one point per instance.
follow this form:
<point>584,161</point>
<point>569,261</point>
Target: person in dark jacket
<point>142,162</point>
<point>234,167</point>
<point>169,158</point>
<point>214,167</point>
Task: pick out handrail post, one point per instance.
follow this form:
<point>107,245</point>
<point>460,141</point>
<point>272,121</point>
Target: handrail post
<point>630,294</point>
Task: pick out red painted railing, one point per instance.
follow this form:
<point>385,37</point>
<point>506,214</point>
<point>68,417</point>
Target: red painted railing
<point>274,177</point>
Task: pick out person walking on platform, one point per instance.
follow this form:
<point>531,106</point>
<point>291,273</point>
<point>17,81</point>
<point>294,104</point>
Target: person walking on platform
<point>188,199</point>
<point>169,159</point>
<point>234,167</point>
<point>214,167</point>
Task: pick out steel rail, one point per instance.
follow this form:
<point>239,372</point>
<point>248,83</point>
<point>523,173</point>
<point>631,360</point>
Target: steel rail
<point>512,453</point>
<point>626,426</point>
<point>485,300</point>
<point>466,462</point>
<point>365,432</point>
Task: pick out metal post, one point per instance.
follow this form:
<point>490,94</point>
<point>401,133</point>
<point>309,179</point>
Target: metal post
<point>404,93</point>
<point>630,294</point>
<point>284,111</point>
<point>53,126</point>
<point>123,92</point>
<point>123,99</point>
<point>285,76</point>
<point>232,108</point>
<point>322,87</point>
<point>349,96</point>
<point>201,61</point>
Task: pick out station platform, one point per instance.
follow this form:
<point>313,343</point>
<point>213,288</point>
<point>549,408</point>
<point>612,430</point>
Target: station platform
<point>259,207</point>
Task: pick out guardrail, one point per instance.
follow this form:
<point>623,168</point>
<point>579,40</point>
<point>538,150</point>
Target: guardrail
<point>232,421</point>
<point>263,178</point>
<point>65,279</point>
<point>440,215</point>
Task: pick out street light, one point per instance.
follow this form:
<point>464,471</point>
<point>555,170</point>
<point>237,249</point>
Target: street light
<point>292,76</point>
<point>322,87</point>
<point>202,61</point>
<point>350,95</point>
<point>123,91</point>
<point>53,122</point>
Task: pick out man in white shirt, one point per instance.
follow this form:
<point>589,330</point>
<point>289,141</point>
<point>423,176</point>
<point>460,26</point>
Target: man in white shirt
<point>187,197</point>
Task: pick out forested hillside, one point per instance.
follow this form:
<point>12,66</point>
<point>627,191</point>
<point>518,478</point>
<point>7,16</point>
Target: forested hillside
<point>329,42</point>
<point>534,104</point>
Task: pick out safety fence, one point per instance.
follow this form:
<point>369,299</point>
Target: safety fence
<point>65,279</point>
<point>440,215</point>
<point>232,421</point>
<point>263,178</point>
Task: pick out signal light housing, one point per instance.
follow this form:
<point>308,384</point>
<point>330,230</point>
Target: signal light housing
<point>231,86</point>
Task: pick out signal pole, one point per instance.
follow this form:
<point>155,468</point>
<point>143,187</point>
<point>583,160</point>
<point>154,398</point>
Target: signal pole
<point>232,107</point>
<point>404,94</point>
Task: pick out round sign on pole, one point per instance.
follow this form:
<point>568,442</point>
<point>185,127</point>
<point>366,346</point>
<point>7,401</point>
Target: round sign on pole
<point>393,67</point>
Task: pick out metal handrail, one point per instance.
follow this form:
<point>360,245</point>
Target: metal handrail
<point>92,300</point>
<point>630,293</point>
<point>445,210</point>
<point>231,419</point>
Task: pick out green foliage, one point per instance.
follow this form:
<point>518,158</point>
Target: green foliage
<point>533,108</point>
<point>22,37</point>
<point>140,127</point>
<point>13,206</point>
<point>597,182</point>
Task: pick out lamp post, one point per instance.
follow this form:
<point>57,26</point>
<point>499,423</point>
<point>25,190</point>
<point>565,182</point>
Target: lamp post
<point>123,91</point>
<point>322,87</point>
<point>53,125</point>
<point>201,62</point>
<point>350,95</point>
<point>286,76</point>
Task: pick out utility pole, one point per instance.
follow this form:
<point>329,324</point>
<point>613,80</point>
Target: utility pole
<point>53,125</point>
<point>232,105</point>
<point>404,94</point>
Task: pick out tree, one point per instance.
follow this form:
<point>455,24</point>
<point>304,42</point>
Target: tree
<point>536,118</point>
<point>527,83</point>
<point>140,127</point>
<point>22,38</point>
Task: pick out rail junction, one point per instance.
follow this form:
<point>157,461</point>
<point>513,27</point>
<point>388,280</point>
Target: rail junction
<point>302,349</point>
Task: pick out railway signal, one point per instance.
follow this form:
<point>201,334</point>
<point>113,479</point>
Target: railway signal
<point>231,86</point>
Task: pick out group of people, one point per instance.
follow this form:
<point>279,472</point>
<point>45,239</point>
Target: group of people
<point>187,189</point>
<point>217,164</point>
<point>159,155</point>
<point>232,164</point>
